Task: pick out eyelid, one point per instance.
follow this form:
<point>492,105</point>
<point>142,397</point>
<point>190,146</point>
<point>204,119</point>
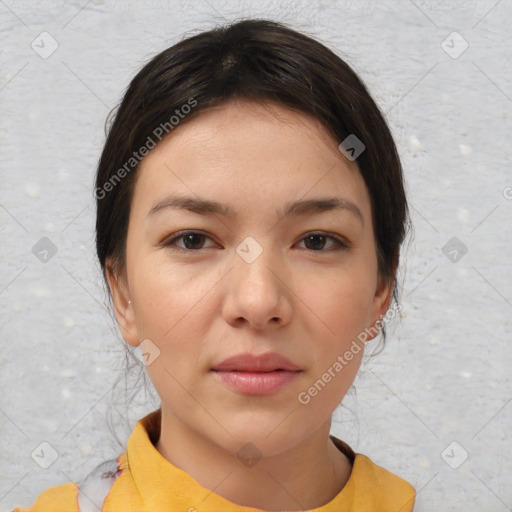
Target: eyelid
<point>341,243</point>
<point>168,242</point>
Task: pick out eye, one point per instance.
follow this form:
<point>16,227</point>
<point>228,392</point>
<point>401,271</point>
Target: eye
<point>193,240</point>
<point>316,241</point>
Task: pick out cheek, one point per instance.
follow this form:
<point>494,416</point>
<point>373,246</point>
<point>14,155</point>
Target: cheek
<point>340,313</point>
<point>168,296</point>
<point>172,315</point>
<point>340,304</point>
<point>175,311</point>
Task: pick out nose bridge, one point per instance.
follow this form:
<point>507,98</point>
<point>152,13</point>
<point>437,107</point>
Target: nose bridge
<point>254,257</point>
<point>257,293</point>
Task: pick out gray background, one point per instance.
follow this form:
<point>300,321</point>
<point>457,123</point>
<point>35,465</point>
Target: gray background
<point>444,376</point>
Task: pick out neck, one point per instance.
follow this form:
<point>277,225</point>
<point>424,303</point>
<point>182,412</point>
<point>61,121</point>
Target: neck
<point>306,476</point>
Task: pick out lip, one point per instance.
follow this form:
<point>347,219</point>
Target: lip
<point>256,375</point>
<point>268,362</point>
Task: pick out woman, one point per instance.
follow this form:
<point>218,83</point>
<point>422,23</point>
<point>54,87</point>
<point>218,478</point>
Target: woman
<point>250,211</point>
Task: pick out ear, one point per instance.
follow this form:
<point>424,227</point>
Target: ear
<point>382,300</point>
<point>122,305</point>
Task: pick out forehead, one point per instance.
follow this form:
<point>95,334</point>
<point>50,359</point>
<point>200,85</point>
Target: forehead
<point>245,153</point>
<point>249,121</point>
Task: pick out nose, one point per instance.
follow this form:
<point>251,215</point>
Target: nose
<point>259,293</point>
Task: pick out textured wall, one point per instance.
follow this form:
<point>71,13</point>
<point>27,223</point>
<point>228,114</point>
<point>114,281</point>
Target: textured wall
<point>441,389</point>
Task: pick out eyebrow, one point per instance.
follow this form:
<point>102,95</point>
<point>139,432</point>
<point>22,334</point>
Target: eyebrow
<point>296,208</point>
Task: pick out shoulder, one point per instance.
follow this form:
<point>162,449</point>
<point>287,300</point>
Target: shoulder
<point>55,499</point>
<point>88,494</point>
<point>372,487</point>
<point>385,487</point>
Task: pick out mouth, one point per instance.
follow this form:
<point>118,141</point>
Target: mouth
<point>256,375</point>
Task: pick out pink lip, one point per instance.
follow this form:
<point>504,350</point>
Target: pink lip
<point>256,375</point>
<point>256,383</point>
<point>264,363</point>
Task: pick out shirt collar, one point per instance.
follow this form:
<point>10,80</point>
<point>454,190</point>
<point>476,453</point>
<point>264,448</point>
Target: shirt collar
<point>161,484</point>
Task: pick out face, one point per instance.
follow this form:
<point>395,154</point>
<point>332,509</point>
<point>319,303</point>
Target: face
<point>261,279</point>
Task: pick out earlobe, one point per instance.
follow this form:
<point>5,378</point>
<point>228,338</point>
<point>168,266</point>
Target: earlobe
<point>123,306</point>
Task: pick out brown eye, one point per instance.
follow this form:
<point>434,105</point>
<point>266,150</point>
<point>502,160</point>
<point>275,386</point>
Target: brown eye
<point>192,241</point>
<point>316,242</point>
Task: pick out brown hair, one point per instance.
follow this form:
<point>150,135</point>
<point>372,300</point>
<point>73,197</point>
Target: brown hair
<point>258,60</point>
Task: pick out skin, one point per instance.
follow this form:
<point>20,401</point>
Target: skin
<point>307,302</point>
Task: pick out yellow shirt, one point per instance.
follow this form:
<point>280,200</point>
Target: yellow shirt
<point>147,482</point>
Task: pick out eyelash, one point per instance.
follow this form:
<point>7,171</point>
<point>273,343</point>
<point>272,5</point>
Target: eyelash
<point>169,243</point>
